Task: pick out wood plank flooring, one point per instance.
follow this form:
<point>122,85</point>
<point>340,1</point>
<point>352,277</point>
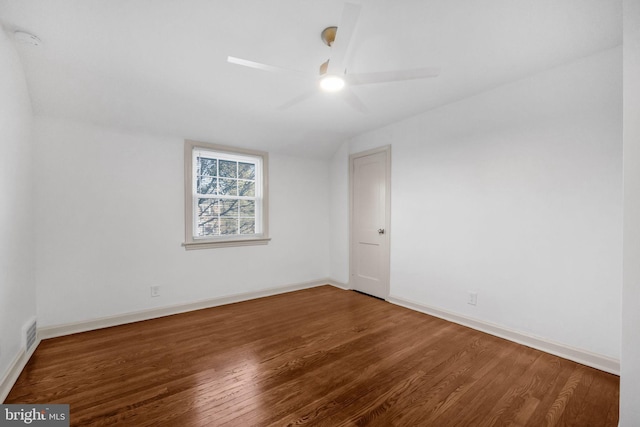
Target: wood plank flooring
<point>321,357</point>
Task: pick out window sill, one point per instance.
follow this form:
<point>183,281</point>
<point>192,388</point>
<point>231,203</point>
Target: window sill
<point>207,244</point>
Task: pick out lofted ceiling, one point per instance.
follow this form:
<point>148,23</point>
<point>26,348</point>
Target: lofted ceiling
<point>160,66</point>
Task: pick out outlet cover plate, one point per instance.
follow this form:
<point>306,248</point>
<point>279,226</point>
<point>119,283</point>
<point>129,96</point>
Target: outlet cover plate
<point>473,298</point>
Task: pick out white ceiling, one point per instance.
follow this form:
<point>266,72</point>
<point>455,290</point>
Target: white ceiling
<point>160,66</point>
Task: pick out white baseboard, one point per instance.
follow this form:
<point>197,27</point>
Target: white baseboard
<point>15,368</point>
<point>22,358</point>
<point>584,357</point>
<point>121,319</point>
<point>337,284</point>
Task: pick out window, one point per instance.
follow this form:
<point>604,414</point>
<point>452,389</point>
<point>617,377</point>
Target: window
<point>225,196</point>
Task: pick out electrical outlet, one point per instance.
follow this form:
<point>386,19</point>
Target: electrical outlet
<point>473,298</point>
<point>155,291</point>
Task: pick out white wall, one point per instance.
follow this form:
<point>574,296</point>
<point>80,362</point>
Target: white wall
<point>516,194</point>
<point>339,165</point>
<point>17,285</point>
<point>630,378</point>
<point>111,221</point>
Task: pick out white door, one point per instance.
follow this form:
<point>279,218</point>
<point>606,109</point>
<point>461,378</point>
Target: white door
<point>370,207</point>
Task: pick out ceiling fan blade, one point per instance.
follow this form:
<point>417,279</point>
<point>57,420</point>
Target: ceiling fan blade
<point>297,100</point>
<point>264,67</point>
<point>354,101</point>
<point>342,42</point>
<point>392,76</point>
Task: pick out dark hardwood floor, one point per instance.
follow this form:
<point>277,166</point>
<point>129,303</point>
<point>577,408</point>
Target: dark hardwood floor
<point>321,356</point>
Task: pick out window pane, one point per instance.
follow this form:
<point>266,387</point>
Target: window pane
<point>228,169</point>
<point>247,226</point>
<point>228,187</point>
<point>207,185</point>
<point>246,171</point>
<point>247,188</point>
<point>207,166</point>
<point>207,207</point>
<point>207,217</point>
<point>229,208</point>
<point>247,208</point>
<point>229,226</point>
<point>209,227</point>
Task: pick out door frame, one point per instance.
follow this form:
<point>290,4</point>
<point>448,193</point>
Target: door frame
<point>387,225</point>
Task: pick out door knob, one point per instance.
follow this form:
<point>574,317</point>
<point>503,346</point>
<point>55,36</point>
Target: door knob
<point>380,230</point>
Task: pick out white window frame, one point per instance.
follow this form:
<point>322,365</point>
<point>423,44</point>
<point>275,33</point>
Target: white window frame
<point>262,197</point>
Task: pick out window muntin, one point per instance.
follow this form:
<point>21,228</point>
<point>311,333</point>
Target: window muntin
<point>227,200</point>
<point>227,194</point>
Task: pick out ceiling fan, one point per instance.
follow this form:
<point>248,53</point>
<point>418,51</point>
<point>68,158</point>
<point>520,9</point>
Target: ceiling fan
<point>333,76</point>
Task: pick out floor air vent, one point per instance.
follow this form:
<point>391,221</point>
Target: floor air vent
<point>30,335</point>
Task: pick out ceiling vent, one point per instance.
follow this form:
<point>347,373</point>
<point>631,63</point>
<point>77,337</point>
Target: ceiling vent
<point>30,331</point>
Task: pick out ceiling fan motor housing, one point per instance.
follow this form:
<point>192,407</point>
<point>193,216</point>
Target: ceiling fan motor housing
<point>328,35</point>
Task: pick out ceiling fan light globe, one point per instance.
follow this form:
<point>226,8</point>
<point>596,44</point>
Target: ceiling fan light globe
<point>331,83</point>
